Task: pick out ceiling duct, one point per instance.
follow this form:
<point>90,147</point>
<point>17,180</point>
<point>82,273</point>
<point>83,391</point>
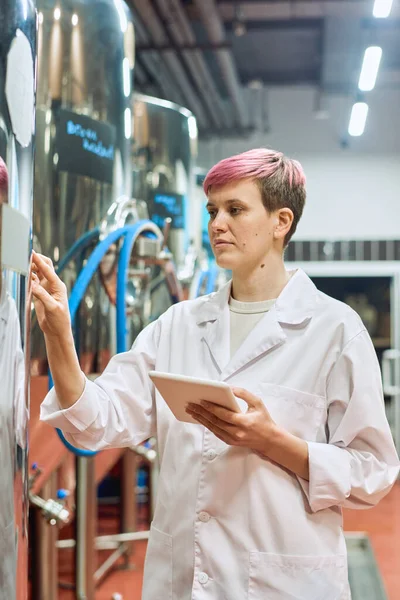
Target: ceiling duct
<point>181,31</point>
<point>216,33</point>
<point>155,28</point>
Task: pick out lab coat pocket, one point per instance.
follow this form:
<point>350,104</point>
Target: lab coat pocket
<point>158,566</point>
<point>280,577</point>
<point>299,413</point>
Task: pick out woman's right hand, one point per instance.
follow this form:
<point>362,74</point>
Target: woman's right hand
<point>50,297</point>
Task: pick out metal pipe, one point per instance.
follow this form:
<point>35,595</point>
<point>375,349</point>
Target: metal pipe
<point>181,32</point>
<point>215,31</point>
<point>128,498</point>
<point>45,567</point>
<point>157,32</point>
<point>153,63</point>
<point>86,514</point>
<point>109,563</point>
<point>101,541</point>
<point>271,10</point>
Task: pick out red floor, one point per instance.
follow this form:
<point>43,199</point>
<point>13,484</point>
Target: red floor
<point>381,523</point>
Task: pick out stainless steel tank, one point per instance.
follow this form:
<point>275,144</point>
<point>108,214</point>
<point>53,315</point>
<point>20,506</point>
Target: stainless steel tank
<point>164,153</point>
<point>17,93</point>
<point>82,162</point>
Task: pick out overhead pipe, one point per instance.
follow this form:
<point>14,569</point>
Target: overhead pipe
<point>180,29</point>
<point>216,33</point>
<point>157,32</point>
<point>271,10</point>
<point>153,63</point>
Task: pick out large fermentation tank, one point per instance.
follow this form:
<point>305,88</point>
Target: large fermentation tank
<point>164,153</point>
<point>82,162</point>
<point>17,82</point>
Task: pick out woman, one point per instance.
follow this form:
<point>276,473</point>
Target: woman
<point>249,505</point>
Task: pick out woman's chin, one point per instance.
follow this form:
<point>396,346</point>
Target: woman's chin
<point>225,262</point>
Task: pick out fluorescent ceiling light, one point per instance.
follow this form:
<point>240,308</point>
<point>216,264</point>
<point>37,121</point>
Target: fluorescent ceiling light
<point>358,118</point>
<point>369,69</point>
<point>382,8</point>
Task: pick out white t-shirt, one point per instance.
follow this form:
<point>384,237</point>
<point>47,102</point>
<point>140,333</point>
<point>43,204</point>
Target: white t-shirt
<point>244,316</point>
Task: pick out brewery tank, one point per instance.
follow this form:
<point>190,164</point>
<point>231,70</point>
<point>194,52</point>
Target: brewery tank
<point>17,125</point>
<point>163,157</point>
<point>82,163</point>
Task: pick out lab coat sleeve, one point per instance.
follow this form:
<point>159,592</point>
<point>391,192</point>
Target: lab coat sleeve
<point>117,409</point>
<point>359,464</point>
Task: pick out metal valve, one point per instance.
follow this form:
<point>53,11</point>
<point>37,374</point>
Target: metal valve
<point>54,512</point>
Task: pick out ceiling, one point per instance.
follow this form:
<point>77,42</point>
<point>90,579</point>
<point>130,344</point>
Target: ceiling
<point>222,59</point>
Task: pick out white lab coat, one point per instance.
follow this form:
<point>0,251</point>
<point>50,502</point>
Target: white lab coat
<point>228,524</point>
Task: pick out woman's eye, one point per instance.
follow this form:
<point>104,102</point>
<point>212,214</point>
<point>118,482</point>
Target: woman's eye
<point>235,211</point>
<point>211,215</point>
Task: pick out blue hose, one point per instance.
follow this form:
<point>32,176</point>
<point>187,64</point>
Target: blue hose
<point>203,274</point>
<point>212,278</point>
<point>122,279</point>
<point>78,246</point>
<point>83,281</point>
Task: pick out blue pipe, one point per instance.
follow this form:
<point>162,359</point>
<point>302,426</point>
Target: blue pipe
<point>79,290</point>
<point>79,245</point>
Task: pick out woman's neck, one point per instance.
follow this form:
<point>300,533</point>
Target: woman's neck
<point>262,283</point>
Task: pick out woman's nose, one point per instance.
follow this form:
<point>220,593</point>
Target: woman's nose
<point>219,223</point>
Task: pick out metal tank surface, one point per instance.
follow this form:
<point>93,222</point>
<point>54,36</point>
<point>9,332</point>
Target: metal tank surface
<point>164,152</point>
<point>17,125</point>
<point>82,160</point>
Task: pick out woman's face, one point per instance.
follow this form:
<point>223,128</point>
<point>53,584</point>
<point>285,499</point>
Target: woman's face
<point>240,229</point>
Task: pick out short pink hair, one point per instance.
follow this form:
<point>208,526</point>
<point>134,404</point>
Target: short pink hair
<point>3,179</point>
<point>281,179</point>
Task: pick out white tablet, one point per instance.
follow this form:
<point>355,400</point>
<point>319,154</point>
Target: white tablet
<point>179,390</point>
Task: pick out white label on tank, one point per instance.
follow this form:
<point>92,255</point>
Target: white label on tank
<point>20,88</point>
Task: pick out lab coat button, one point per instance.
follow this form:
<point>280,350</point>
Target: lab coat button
<point>203,578</point>
<point>211,454</point>
<point>204,516</point>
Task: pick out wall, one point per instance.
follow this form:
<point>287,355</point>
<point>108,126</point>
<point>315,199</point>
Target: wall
<point>354,192</point>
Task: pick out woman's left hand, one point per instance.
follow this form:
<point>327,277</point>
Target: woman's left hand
<point>254,429</point>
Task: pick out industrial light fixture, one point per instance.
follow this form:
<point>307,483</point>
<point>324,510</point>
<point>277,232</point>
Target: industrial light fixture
<point>369,69</point>
<point>75,20</point>
<point>57,14</point>
<point>126,77</point>
<point>128,123</point>
<point>382,8</point>
<point>358,119</point>
<point>120,6</point>
<point>239,26</point>
<point>255,84</point>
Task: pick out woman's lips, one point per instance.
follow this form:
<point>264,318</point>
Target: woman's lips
<point>222,244</point>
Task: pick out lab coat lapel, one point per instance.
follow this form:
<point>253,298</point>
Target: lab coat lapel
<point>217,338</point>
<point>294,307</point>
<point>213,319</point>
<point>266,335</point>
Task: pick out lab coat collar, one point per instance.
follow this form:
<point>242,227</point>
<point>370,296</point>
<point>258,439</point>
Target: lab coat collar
<point>294,306</point>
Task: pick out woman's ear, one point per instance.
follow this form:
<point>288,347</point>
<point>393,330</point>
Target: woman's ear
<point>284,220</point>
